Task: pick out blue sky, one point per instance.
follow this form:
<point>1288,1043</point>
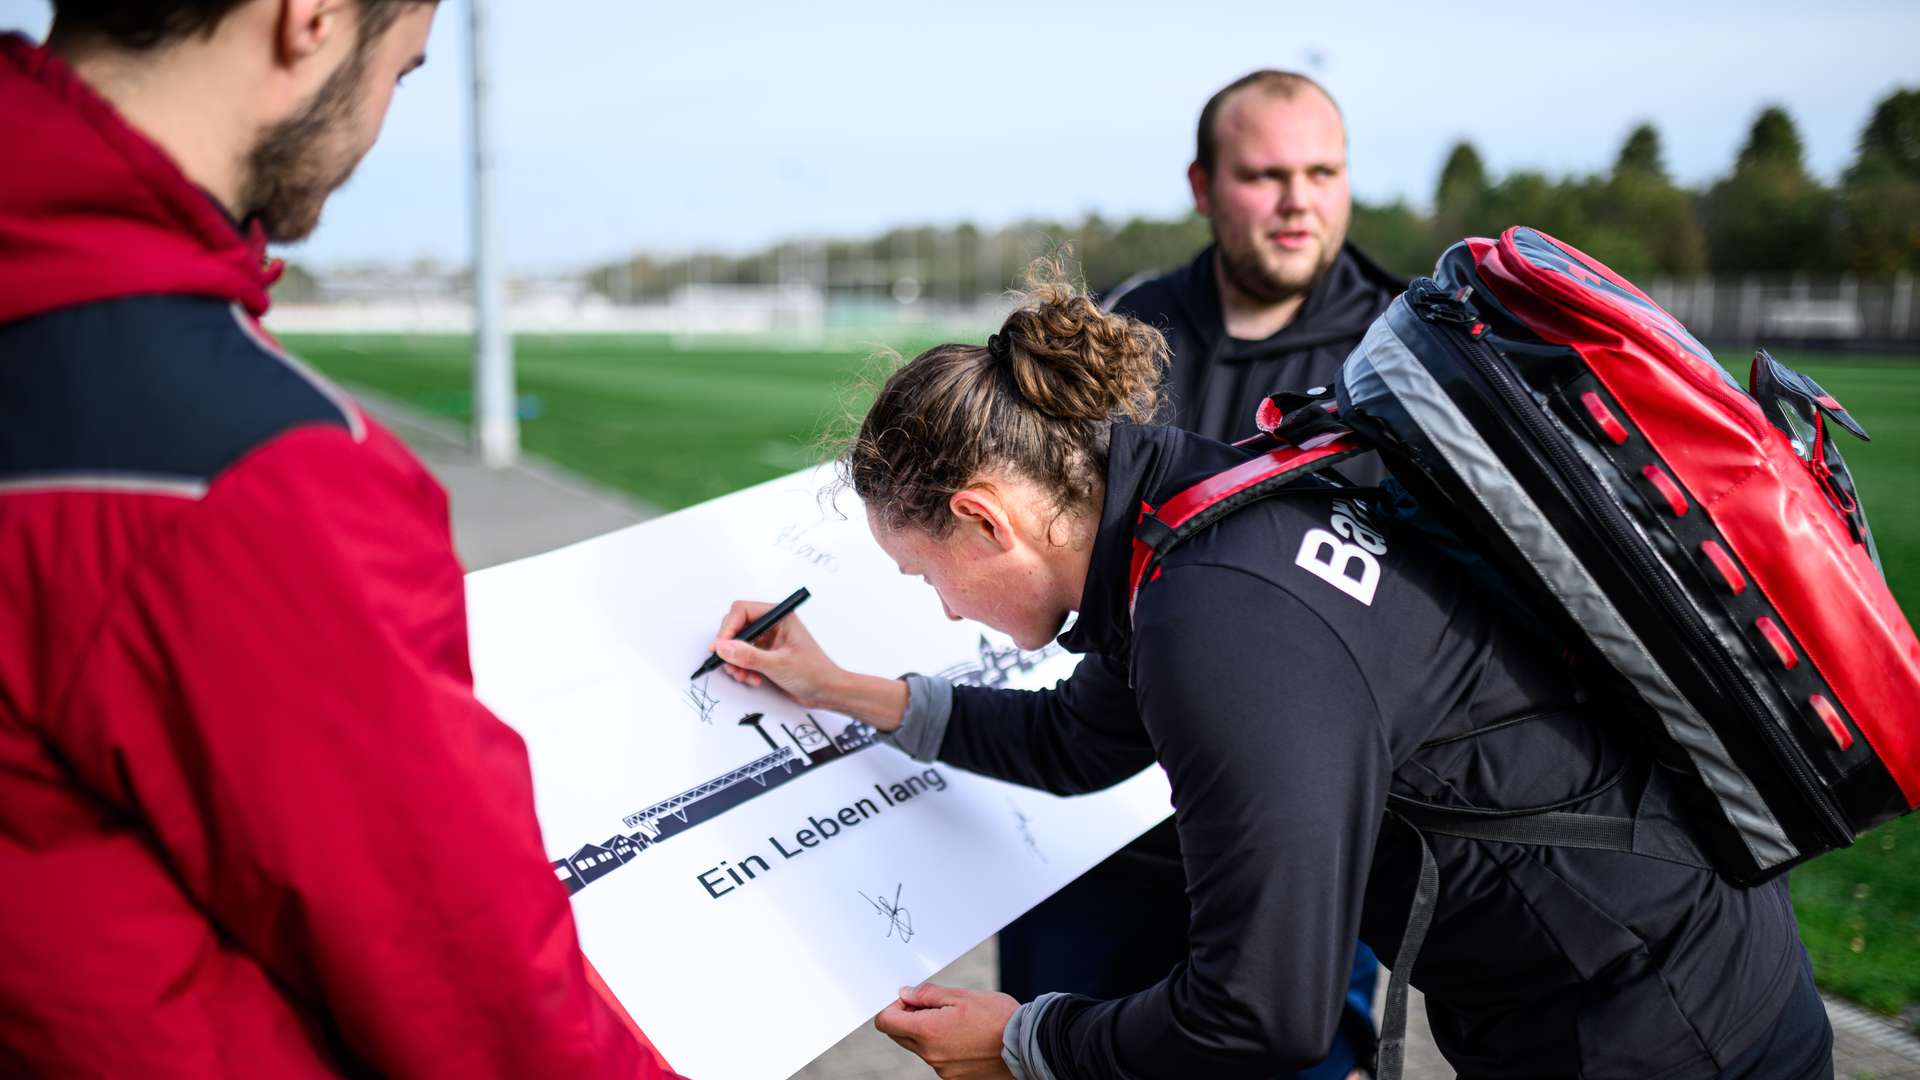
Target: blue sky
<point>662,127</point>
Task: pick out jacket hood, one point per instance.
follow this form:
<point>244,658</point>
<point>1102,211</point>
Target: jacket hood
<point>1337,308</point>
<point>1145,464</point>
<point>93,210</point>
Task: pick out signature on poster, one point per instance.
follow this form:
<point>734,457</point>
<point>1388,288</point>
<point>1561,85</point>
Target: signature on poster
<point>899,919</point>
<point>1025,825</point>
<point>792,540</point>
<point>700,701</point>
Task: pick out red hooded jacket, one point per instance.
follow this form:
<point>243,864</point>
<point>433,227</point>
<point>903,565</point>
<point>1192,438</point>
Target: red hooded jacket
<point>252,819</point>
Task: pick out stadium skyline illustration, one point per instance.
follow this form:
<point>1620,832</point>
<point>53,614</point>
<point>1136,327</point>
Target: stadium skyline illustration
<point>805,745</point>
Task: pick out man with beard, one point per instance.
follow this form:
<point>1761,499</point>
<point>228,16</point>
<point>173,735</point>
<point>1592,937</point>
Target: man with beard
<point>1275,303</point>
<point>1280,297</point>
<point>252,819</point>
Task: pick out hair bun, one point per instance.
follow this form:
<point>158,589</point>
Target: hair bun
<point>1073,361</point>
<point>1038,402</point>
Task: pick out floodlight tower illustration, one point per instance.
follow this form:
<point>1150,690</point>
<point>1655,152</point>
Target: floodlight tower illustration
<point>752,720</point>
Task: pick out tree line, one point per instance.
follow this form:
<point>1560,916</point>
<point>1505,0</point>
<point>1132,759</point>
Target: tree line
<point>1768,215</point>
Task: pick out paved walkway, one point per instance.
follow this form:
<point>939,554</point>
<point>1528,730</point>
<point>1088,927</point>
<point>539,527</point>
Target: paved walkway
<point>868,1055</point>
<point>503,514</point>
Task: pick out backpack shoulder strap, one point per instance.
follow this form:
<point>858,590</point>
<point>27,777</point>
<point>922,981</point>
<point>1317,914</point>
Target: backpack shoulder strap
<point>1159,531</point>
<point>1553,825</point>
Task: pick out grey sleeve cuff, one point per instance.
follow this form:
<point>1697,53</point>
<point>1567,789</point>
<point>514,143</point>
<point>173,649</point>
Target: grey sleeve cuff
<point>924,727</point>
<point>1020,1042</point>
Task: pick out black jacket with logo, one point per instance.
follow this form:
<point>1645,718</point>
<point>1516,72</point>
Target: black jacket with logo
<point>1289,667</point>
<point>1214,383</point>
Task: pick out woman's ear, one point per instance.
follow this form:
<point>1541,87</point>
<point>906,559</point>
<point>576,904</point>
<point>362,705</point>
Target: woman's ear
<point>980,514</point>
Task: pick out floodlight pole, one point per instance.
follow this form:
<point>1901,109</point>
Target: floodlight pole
<point>496,423</point>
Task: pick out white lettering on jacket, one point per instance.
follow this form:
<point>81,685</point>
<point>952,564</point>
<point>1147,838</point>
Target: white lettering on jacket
<point>1347,557</point>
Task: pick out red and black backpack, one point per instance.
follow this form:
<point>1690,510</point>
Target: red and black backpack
<point>1699,544</point>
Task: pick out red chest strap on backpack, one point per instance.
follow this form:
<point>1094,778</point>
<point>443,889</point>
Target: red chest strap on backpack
<point>1189,512</point>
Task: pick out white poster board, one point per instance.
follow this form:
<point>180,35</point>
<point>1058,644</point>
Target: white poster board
<point>752,880</point>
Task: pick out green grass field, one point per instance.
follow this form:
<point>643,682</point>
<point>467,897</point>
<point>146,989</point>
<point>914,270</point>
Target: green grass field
<point>675,426</point>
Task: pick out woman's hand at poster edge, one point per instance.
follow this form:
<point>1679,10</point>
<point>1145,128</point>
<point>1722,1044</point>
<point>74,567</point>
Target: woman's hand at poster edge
<point>956,1032</point>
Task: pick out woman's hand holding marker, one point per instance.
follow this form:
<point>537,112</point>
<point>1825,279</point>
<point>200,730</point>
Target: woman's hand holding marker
<point>788,656</point>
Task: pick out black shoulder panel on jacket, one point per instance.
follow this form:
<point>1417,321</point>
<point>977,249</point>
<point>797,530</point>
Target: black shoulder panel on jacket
<point>1375,273</point>
<point>158,392</point>
<point>1157,299</point>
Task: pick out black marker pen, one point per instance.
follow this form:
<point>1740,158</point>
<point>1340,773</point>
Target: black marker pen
<point>755,628</point>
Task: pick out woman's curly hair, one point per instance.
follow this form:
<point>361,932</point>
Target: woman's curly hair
<point>1038,399</point>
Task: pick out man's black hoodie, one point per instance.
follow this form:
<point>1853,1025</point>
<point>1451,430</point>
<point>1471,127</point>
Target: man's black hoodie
<point>1215,381</point>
